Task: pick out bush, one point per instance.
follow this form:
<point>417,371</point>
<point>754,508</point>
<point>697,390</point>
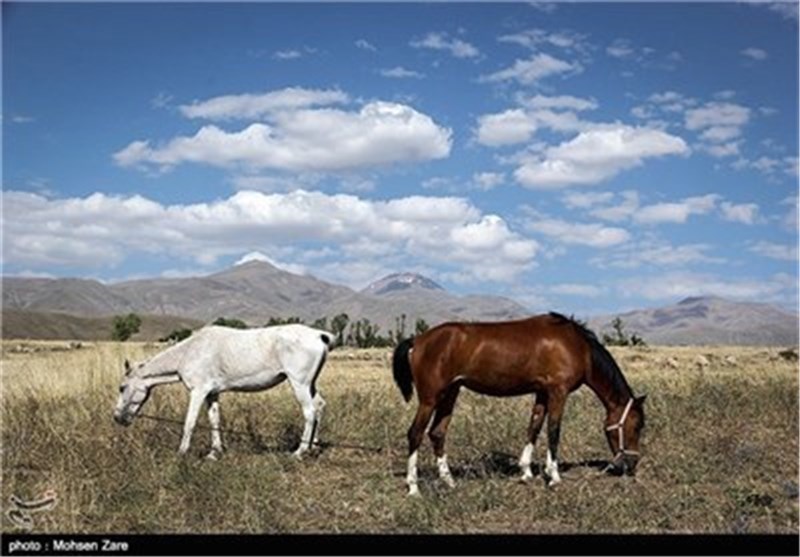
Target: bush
<point>232,323</point>
<point>125,326</point>
<point>177,335</point>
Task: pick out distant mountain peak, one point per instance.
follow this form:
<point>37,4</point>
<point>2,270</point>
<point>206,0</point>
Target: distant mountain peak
<point>400,281</point>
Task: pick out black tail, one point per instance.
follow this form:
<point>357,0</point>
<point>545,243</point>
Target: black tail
<point>602,360</point>
<point>401,368</point>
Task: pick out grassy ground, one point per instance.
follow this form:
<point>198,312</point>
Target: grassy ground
<point>720,452</point>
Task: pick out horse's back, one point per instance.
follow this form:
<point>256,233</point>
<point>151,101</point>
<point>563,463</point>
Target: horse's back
<point>516,353</point>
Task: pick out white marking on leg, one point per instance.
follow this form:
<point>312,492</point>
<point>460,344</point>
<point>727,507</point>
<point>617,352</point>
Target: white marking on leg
<point>552,469</point>
<point>216,438</point>
<point>411,477</point>
<point>319,405</point>
<point>525,460</point>
<point>444,471</point>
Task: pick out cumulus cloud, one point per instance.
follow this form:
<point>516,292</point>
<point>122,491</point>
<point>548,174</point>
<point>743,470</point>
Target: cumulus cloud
<point>596,154</point>
<point>442,41</point>
<point>324,140</point>
<point>517,125</point>
<point>96,230</point>
<point>532,70</point>
<point>505,128</point>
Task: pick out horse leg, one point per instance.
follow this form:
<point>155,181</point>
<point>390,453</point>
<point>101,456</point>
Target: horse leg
<point>319,405</point>
<point>415,435</point>
<point>196,399</point>
<point>555,408</point>
<point>438,432</point>
<point>303,395</point>
<point>535,426</point>
<point>212,401</point>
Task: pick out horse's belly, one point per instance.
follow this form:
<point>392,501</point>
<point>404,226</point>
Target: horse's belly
<point>510,388</point>
<point>255,382</point>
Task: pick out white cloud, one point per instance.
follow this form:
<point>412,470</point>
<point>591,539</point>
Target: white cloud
<point>676,212</point>
<point>754,53</point>
<point>787,10</point>
<point>96,231</point>
<point>621,48</point>
<point>255,106</point>
<point>442,41</point>
<point>287,54</point>
<point>717,114</point>
<point>488,180</point>
<point>655,254</point>
<point>399,72</point>
<point>535,38</point>
<point>259,256</point>
<point>564,102</point>
<point>785,252</point>
<point>586,234</point>
<point>586,200</point>
<point>597,154</point>
<point>532,70</point>
<point>325,140</point>
<point>719,123</point>
<point>677,285</point>
<point>364,44</point>
<point>505,128</point>
<point>745,213</point>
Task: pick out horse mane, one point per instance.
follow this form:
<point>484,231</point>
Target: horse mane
<point>602,360</point>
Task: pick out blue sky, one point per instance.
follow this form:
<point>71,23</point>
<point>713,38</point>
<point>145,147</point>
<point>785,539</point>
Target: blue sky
<point>580,157</point>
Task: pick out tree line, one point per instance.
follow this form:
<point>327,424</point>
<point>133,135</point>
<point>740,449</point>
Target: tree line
<point>360,333</point>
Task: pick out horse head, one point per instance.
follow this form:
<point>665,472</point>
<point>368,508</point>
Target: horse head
<point>623,432</point>
<point>133,393</point>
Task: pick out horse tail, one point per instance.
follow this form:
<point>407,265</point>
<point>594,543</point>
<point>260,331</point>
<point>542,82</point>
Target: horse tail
<point>401,368</point>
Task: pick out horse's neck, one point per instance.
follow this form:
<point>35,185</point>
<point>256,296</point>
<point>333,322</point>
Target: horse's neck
<point>166,364</point>
<point>610,393</point>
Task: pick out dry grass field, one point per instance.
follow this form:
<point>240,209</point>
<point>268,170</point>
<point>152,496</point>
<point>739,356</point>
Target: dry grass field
<point>720,452</point>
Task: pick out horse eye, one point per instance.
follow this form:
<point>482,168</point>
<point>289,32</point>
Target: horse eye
<point>121,389</point>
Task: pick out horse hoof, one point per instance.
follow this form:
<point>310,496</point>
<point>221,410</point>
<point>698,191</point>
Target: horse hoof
<point>298,455</point>
<point>553,482</point>
<point>449,482</point>
<point>526,478</point>
<point>413,491</point>
<point>213,455</point>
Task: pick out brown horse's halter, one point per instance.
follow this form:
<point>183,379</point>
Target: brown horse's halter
<point>621,450</point>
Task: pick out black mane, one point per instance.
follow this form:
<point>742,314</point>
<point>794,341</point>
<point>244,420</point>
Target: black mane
<point>602,359</point>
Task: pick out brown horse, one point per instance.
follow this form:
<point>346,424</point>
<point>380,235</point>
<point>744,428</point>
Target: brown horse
<point>547,355</point>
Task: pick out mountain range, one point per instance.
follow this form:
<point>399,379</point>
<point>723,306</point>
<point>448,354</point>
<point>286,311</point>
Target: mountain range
<point>257,291</point>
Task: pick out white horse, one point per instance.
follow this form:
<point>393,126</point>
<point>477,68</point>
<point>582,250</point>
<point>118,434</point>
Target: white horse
<point>217,359</point>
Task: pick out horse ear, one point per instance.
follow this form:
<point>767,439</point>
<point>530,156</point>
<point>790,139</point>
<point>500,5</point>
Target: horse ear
<point>640,400</point>
<point>127,367</point>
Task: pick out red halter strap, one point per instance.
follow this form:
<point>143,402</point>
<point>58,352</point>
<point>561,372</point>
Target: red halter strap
<point>618,426</point>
